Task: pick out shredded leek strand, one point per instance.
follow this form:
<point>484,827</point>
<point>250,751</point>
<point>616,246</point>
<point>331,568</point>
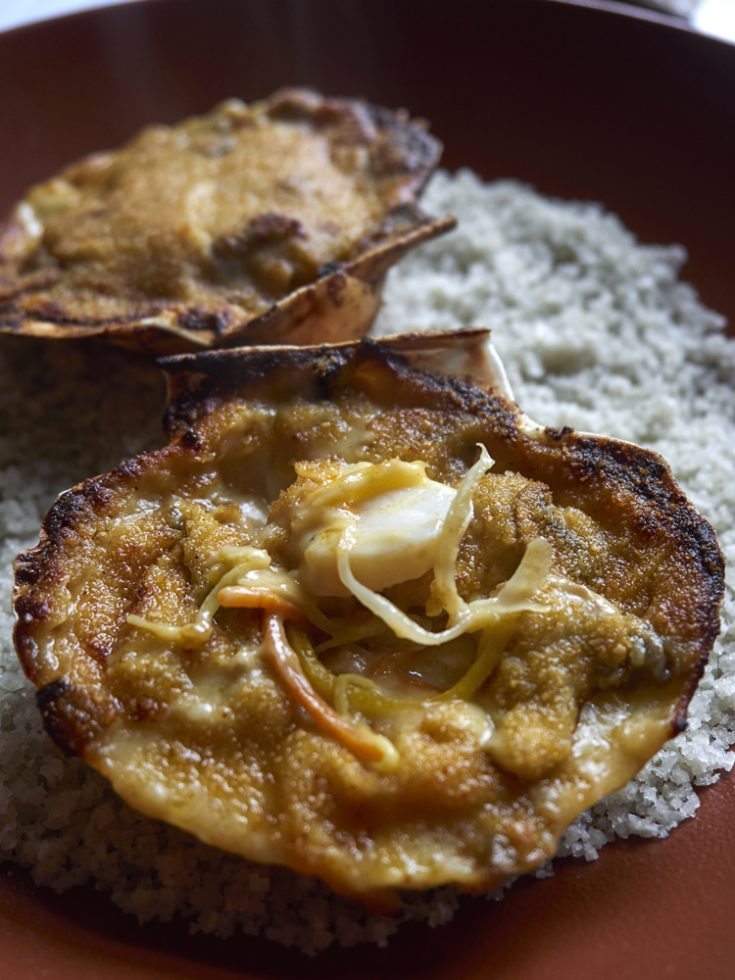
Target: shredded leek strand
<point>353,634</point>
<point>450,537</point>
<point>199,631</point>
<point>514,596</point>
<point>370,699</point>
<point>489,652</point>
<point>322,679</point>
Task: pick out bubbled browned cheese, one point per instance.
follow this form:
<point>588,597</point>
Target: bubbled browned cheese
<point>589,682</point>
<point>191,234</point>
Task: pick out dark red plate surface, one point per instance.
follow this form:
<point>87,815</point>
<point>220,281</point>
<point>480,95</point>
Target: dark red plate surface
<point>578,99</point>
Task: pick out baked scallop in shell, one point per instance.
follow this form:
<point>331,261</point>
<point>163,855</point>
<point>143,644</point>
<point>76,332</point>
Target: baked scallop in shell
<point>269,222</point>
<point>366,619</point>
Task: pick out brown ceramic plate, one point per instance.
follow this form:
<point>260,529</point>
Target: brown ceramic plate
<point>579,99</point>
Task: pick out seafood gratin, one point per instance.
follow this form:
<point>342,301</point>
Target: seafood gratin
<point>271,222</point>
<point>368,620</point>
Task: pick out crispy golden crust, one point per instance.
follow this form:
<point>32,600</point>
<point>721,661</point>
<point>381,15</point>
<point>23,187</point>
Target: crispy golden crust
<point>618,524</point>
<point>270,222</point>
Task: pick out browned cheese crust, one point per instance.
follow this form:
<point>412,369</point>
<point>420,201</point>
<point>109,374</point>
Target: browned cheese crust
<point>208,737</point>
<point>265,222</point>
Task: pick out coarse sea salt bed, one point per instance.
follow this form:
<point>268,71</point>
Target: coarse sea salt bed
<point>596,332</point>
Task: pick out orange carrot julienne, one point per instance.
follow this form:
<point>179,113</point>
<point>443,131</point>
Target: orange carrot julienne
<point>288,666</point>
<point>237,597</point>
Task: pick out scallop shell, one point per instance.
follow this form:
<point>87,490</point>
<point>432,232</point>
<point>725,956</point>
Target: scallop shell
<point>266,223</point>
<point>586,691</point>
